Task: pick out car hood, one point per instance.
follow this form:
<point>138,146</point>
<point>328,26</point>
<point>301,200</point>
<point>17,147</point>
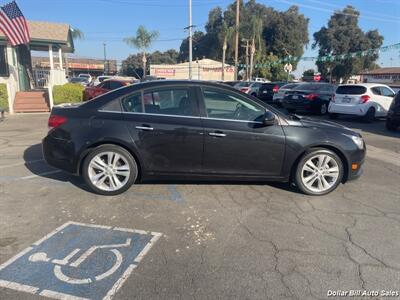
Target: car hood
<point>327,125</point>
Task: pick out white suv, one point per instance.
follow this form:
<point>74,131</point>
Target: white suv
<point>368,100</point>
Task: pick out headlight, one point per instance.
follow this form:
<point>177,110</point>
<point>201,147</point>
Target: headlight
<point>357,140</point>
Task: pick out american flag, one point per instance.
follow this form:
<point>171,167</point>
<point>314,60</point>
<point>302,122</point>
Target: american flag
<point>13,24</point>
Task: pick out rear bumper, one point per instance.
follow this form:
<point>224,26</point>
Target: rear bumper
<point>60,154</point>
<point>302,106</point>
<point>358,109</point>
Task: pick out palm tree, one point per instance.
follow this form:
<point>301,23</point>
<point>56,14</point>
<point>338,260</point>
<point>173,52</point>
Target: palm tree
<point>142,41</point>
<point>226,35</point>
<point>77,34</point>
<point>256,31</point>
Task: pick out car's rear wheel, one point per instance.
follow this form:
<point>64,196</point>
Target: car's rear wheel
<point>323,109</point>
<point>333,116</point>
<point>109,170</point>
<point>370,115</point>
<point>319,172</point>
<point>390,125</point>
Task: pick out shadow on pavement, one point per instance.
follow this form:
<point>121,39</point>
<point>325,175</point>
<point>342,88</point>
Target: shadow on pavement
<point>43,170</point>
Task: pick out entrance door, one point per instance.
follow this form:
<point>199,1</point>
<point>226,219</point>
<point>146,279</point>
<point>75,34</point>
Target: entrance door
<point>24,67</point>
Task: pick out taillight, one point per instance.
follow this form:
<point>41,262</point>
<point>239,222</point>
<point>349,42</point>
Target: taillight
<point>275,89</point>
<point>55,121</point>
<point>311,96</point>
<point>245,89</point>
<point>365,98</point>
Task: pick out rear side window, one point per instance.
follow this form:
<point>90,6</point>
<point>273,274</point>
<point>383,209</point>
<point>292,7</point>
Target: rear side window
<point>132,103</point>
<point>115,85</point>
<point>351,90</point>
<point>174,101</point>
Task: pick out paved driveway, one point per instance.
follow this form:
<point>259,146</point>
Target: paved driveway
<point>219,241</point>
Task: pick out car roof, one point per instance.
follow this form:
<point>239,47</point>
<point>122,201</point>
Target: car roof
<point>367,84</point>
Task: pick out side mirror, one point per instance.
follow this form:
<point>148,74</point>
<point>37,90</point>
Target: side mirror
<point>269,118</point>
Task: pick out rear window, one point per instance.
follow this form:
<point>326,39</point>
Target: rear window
<point>351,90</point>
<point>289,86</point>
<point>244,84</point>
<point>268,86</point>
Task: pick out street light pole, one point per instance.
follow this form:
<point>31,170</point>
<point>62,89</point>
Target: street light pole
<point>190,40</point>
<point>105,58</point>
<point>237,38</point>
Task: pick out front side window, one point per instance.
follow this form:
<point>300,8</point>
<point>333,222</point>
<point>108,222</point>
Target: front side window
<point>223,105</point>
<point>172,101</point>
<point>132,103</point>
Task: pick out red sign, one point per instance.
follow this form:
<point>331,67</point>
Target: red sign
<point>164,72</point>
<point>317,77</point>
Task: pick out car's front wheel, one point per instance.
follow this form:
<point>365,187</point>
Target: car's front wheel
<point>109,170</point>
<point>319,172</point>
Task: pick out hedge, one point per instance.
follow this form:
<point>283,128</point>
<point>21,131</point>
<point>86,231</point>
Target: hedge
<point>3,96</point>
<point>68,93</point>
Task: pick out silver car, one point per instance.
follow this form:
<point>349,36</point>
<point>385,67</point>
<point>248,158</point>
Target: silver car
<point>249,87</point>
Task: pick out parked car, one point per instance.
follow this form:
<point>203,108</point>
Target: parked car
<point>100,79</point>
<point>267,91</point>
<point>193,129</point>
<point>313,97</point>
<point>278,97</point>
<point>259,79</point>
<point>368,100</point>
<point>87,76</point>
<point>231,83</point>
<point>108,85</point>
<point>80,80</point>
<point>248,87</point>
<point>393,116</point>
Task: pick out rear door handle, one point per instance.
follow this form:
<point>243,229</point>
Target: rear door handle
<point>217,134</point>
<point>147,128</point>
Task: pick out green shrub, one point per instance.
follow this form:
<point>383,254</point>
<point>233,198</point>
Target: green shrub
<point>68,93</point>
<point>3,96</point>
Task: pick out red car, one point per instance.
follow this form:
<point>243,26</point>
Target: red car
<point>104,87</point>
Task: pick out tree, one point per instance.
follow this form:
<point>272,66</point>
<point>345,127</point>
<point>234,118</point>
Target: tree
<point>142,41</point>
<point>309,72</point>
<point>133,64</point>
<point>271,69</point>
<point>77,34</point>
<point>272,30</point>
<point>341,37</point>
<point>226,36</point>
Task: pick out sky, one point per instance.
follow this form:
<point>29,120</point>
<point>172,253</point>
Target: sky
<point>109,21</point>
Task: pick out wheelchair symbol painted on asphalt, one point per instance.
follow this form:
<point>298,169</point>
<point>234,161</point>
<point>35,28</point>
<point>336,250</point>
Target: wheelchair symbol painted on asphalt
<point>78,261</point>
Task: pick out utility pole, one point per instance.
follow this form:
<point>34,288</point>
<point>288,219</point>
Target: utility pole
<point>237,37</point>
<point>247,57</point>
<point>105,58</point>
<point>253,51</point>
<point>190,40</point>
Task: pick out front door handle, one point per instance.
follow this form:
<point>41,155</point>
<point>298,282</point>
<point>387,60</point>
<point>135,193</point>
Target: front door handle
<point>217,134</point>
<point>147,128</point>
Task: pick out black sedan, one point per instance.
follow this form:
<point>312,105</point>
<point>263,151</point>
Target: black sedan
<point>311,97</point>
<point>267,91</point>
<point>197,130</point>
<point>393,116</point>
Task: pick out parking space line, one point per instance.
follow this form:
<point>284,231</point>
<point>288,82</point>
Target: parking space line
<point>22,163</point>
<point>61,296</point>
<point>148,247</point>
<point>119,282</point>
<point>18,287</point>
<point>11,260</point>
<point>40,174</point>
<point>90,225</point>
<point>384,155</point>
<point>51,233</point>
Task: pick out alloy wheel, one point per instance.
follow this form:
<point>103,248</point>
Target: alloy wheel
<point>320,173</point>
<point>109,171</point>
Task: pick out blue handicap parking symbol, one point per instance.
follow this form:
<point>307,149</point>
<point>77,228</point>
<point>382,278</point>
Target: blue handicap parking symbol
<point>78,261</point>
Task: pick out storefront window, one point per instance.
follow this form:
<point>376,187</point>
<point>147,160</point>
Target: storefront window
<point>3,62</point>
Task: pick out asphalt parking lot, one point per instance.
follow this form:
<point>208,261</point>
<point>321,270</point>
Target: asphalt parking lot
<point>219,241</point>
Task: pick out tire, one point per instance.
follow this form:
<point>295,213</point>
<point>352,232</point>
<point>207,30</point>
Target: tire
<point>333,116</point>
<point>323,109</point>
<point>320,180</point>
<point>101,161</point>
<point>254,95</point>
<point>370,115</point>
<point>390,125</point>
